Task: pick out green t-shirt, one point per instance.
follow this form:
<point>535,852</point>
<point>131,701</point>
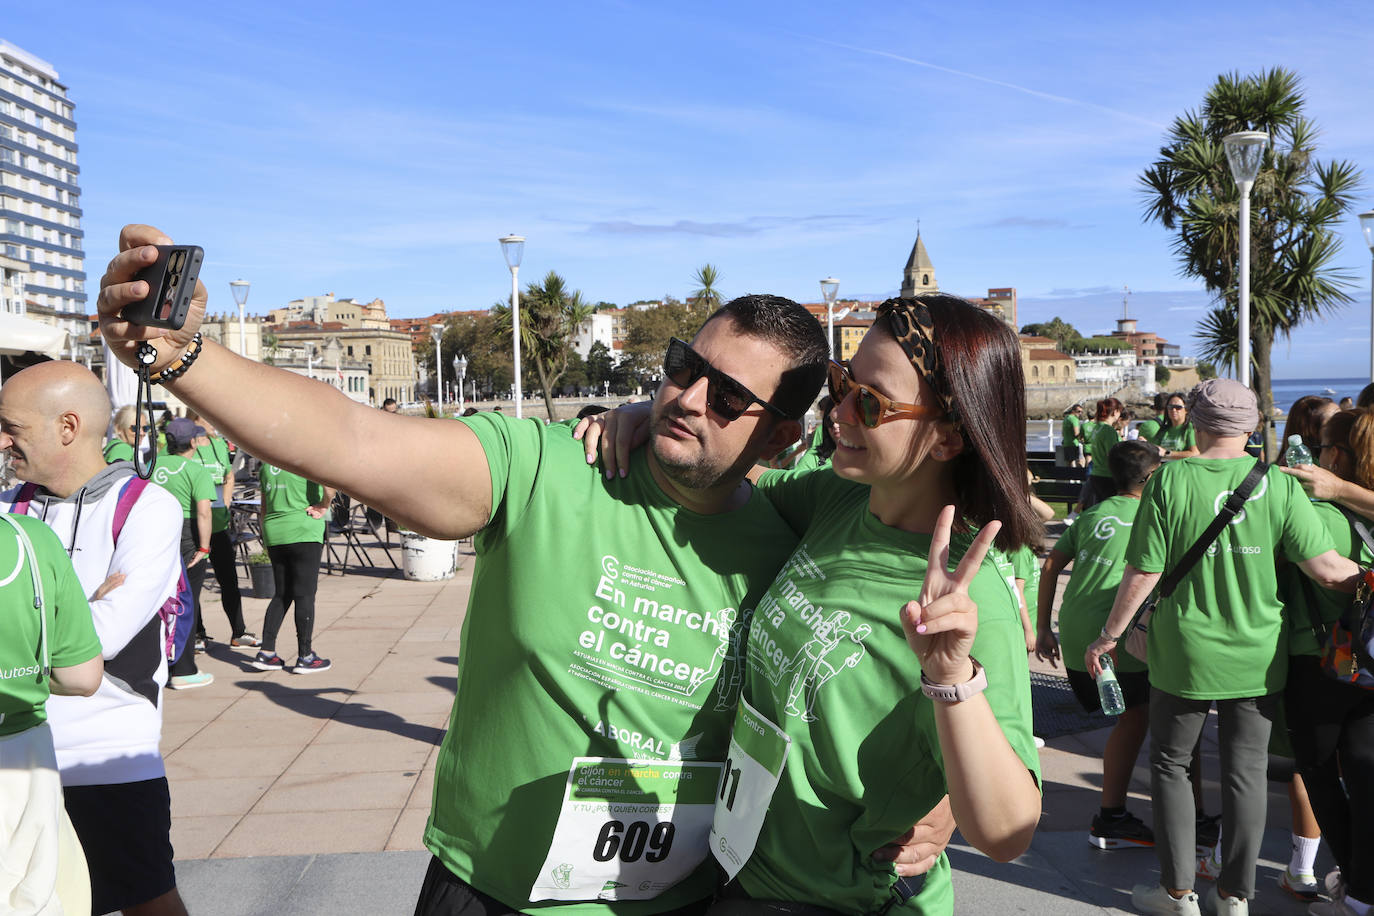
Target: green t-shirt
<point>285,497</point>
<point>811,459</point>
<point>1086,429</point>
<point>829,664</point>
<point>1330,604</point>
<point>71,634</point>
<point>215,459</point>
<point>1147,429</point>
<point>1069,429</point>
<point>1103,438</point>
<point>1096,545</point>
<point>185,479</point>
<point>1220,634</point>
<point>1176,438</point>
<point>1026,567</point>
<point>604,620</point>
<point>118,450</point>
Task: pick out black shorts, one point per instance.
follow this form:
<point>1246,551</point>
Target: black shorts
<point>125,830</point>
<point>446,894</point>
<point>1135,688</point>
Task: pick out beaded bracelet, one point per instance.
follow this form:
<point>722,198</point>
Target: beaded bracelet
<point>178,367</point>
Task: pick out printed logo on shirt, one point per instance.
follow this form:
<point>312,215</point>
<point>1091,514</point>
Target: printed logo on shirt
<point>1255,497</point>
<point>1107,525</point>
<point>832,648</point>
<point>639,637</point>
<point>164,474</point>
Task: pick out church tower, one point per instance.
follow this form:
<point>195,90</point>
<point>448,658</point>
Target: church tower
<point>919,276</point>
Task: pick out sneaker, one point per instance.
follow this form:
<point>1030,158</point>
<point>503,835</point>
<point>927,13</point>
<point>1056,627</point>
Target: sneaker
<point>1039,742</point>
<point>1209,866</point>
<point>200,643</point>
<point>1213,902</point>
<point>245,640</point>
<point>1152,898</point>
<point>1208,831</point>
<point>191,681</point>
<point>1116,832</point>
<point>1302,886</point>
<point>268,661</point>
<point>1334,884</point>
<point>309,664</point>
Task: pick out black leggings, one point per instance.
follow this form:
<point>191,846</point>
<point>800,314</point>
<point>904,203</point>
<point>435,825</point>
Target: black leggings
<point>295,572</point>
<point>227,575</point>
<point>1332,728</point>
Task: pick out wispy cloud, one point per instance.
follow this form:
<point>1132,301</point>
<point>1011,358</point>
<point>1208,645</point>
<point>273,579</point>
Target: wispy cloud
<point>1063,291</point>
<point>1029,222</point>
<point>751,226</point>
<point>1048,96</point>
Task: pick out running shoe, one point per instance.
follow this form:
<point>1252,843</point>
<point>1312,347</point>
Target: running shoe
<point>1302,886</point>
<point>1209,866</point>
<point>200,643</point>
<point>309,664</point>
<point>245,641</point>
<point>1213,902</point>
<point>1208,831</point>
<point>1152,898</point>
<point>1116,832</point>
<point>268,661</point>
<point>191,681</point>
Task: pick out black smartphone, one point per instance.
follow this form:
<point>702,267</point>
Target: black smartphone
<point>171,283</point>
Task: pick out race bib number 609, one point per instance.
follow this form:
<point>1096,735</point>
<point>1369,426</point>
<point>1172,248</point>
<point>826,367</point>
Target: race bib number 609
<point>628,829</point>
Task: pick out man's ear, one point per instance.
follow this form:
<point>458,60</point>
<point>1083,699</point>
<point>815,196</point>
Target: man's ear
<point>783,434</point>
<point>68,427</point>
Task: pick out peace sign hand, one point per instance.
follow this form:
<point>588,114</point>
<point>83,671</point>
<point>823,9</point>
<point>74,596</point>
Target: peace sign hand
<point>941,623</point>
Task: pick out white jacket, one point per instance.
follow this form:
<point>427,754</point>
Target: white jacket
<point>112,737</point>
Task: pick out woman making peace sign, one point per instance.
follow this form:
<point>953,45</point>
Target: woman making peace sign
<point>929,429</point>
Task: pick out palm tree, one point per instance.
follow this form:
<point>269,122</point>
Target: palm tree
<point>550,316</point>
<point>706,297</point>
<point>1295,204</point>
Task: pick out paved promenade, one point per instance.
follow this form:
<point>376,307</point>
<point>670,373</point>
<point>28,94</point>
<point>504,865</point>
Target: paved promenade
<point>308,794</point>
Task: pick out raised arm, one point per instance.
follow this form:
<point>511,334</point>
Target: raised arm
<point>431,475</point>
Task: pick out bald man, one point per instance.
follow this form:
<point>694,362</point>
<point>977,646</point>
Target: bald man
<point>52,421</point>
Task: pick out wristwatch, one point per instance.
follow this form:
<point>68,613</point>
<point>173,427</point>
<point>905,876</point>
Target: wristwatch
<point>957,693</point>
<point>1106,635</point>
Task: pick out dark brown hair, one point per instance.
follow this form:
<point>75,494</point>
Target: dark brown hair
<point>796,333</point>
<point>982,359</point>
<point>1305,420</point>
<point>1354,428</point>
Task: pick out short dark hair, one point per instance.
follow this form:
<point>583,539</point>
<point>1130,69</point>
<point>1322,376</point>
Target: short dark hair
<point>1132,462</point>
<point>388,401</point>
<point>793,330</point>
<point>1366,396</point>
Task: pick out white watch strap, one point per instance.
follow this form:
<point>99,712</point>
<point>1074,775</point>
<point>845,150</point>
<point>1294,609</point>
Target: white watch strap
<point>956,693</point>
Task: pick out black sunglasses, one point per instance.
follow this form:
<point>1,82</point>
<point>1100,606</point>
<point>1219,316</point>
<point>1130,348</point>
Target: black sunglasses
<point>726,397</point>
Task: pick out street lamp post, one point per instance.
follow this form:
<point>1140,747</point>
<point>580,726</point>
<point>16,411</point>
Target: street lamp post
<point>513,248</point>
<point>1367,224</point>
<point>240,290</point>
<point>437,332</point>
<point>460,371</point>
<point>1244,151</point>
<point>829,288</point>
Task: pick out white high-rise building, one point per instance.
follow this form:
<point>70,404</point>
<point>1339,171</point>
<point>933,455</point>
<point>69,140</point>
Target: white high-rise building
<point>41,258</point>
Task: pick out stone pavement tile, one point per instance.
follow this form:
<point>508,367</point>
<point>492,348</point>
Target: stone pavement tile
<point>249,732</point>
<point>424,730</point>
<point>381,628</point>
<point>262,758</point>
<point>423,793</point>
<point>195,837</point>
<point>409,832</point>
<point>338,792</point>
<point>295,832</point>
<point>201,795</point>
<point>175,734</point>
<point>361,757</point>
<point>404,703</point>
<point>185,706</point>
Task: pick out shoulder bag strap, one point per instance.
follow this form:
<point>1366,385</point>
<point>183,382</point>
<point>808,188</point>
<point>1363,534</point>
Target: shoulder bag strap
<point>128,495</point>
<point>20,506</point>
<point>1228,511</point>
<point>31,556</point>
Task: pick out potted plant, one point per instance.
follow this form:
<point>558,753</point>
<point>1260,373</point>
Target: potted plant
<point>260,571</point>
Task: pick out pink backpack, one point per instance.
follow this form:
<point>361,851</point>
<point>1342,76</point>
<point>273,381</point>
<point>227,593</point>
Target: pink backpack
<point>178,611</point>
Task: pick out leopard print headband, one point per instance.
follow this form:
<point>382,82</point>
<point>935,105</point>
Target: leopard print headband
<point>910,322</point>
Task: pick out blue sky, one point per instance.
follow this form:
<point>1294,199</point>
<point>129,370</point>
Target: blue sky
<point>379,150</point>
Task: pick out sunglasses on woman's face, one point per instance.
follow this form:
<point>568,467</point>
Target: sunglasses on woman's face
<point>873,407</point>
<point>725,397</point>
<point>1175,406</point>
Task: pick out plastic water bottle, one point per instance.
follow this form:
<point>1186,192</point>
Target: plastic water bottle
<point>1109,689</point>
<point>1296,453</point>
